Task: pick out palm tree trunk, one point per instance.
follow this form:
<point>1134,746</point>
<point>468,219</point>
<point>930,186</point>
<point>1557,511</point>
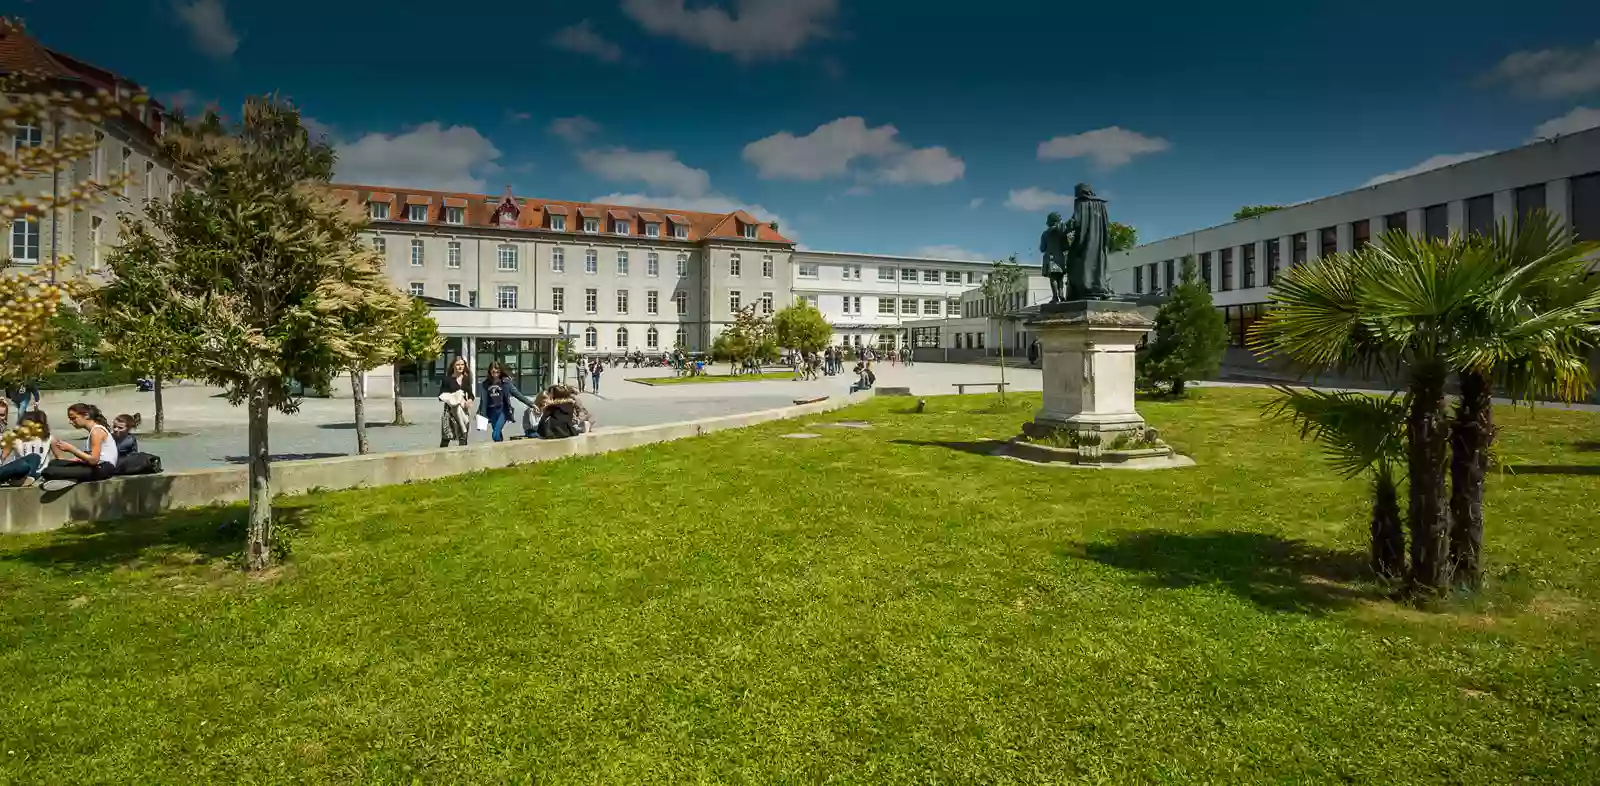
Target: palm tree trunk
<point>258,543</point>
<point>1388,534</point>
<point>359,393</point>
<point>1177,387</point>
<point>399,411</point>
<point>161,408</point>
<point>1427,450</point>
<point>1470,437</point>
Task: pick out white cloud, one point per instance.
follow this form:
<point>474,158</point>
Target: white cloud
<point>1579,119</point>
<point>976,203</point>
<point>705,203</point>
<point>429,156</point>
<point>582,38</point>
<point>1032,199</point>
<point>208,25</point>
<point>1436,162</point>
<point>1107,148</point>
<point>1550,73</point>
<point>317,129</point>
<point>659,169</point>
<point>858,190</point>
<point>518,117</point>
<point>757,29</point>
<point>831,148</point>
<point>574,129</point>
<point>946,251</point>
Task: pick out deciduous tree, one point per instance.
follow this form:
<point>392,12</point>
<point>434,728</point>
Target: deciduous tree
<point>140,326</point>
<point>1005,276</point>
<point>802,327</point>
<point>418,341</point>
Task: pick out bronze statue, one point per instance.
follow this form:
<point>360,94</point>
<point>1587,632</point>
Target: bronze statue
<point>1053,244</point>
<point>1090,229</point>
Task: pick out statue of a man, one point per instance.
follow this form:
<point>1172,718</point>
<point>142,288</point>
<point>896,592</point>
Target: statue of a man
<point>1086,252</point>
<point>1053,244</point>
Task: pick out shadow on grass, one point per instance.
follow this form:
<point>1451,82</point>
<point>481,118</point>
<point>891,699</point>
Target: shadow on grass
<point>1587,447</point>
<point>984,448</point>
<point>285,457</point>
<point>1272,572</point>
<point>194,536</point>
<point>1554,469</point>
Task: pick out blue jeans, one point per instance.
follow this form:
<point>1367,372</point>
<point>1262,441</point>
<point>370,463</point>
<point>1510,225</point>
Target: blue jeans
<point>497,425</point>
<point>19,468</point>
<point>594,382</point>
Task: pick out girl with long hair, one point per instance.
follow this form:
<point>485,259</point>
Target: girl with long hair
<point>495,393</point>
<point>455,390</point>
<point>97,460</point>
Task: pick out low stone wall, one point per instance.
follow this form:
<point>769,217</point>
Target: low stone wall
<point>29,510</point>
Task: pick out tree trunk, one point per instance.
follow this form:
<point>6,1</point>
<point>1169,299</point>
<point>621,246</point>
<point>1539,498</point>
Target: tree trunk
<point>1470,437</point>
<point>1002,362</point>
<point>258,546</point>
<point>1388,533</point>
<point>399,411</point>
<point>358,392</point>
<point>1427,456</point>
<point>161,409</point>
<point>1177,387</point>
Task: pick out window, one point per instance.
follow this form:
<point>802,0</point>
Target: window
<point>1299,249</point>
<point>652,264</point>
<point>591,261</point>
<point>1529,200</point>
<point>1138,280</point>
<point>680,232</point>
<point>416,252</point>
<point>27,136</point>
<point>124,171</point>
<point>558,260</point>
<point>734,266</point>
<point>472,298</point>
<point>808,270</point>
<point>620,227</point>
<point>97,163</point>
<point>149,180</point>
<point>680,302</point>
<point>930,308</point>
<point>507,257</point>
<point>1172,277</point>
<point>416,213</point>
<point>452,293</point>
<point>908,306</point>
<point>652,230</point>
<point>505,296</point>
<point>25,241</point>
<point>1205,272</point>
<point>622,338</point>
<point>172,185</point>
<point>1226,261</point>
<point>1330,241</point>
<point>591,225</point>
<point>1480,213</point>
<point>622,301</point>
<point>1360,234</point>
<point>766,266</point>
<point>683,265</point>
<point>652,302</point>
<point>558,223</point>
<point>1395,221</point>
<point>885,274</point>
<point>652,337</point>
<point>930,276</point>
<point>1249,265</point>
<point>972,277</point>
<point>734,300</point>
<point>591,337</point>
<point>952,307</point>
<point>378,211</point>
<point>455,215</point>
<point>95,232</point>
<point>1436,222</point>
<point>452,254</point>
<point>1274,258</point>
<point>416,289</point>
<point>750,231</point>
<point>591,301</point>
<point>952,277</point>
<point>907,274</point>
<point>766,303</point>
<point>1586,206</point>
<point>682,337</point>
<point>558,299</point>
<point>886,305</point>
<point>622,263</point>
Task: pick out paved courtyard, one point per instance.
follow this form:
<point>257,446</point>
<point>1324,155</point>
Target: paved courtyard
<point>214,432</point>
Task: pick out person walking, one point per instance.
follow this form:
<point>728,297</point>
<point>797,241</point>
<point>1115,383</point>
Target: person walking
<point>455,391</point>
<point>495,393</point>
<point>24,396</point>
<point>594,376</point>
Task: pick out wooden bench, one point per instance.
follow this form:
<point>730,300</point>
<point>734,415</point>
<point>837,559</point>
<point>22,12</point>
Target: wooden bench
<point>811,400</point>
<point>961,387</point>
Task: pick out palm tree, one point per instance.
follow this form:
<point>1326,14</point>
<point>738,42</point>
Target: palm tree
<point>1360,434</point>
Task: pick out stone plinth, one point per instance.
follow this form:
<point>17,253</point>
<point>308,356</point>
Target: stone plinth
<point>1087,350</point>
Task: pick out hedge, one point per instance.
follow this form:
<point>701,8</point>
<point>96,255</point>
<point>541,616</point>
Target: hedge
<point>85,380</point>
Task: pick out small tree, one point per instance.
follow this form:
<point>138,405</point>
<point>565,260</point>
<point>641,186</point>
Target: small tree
<point>76,335</point>
<point>1005,275</point>
<point>1251,211</point>
<point>1121,237</point>
<point>802,327</point>
<point>1190,335</point>
<point>139,326</point>
<point>374,330</point>
<point>418,341</point>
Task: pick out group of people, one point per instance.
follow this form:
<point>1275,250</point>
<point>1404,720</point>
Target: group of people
<point>556,413</point>
<point>32,455</point>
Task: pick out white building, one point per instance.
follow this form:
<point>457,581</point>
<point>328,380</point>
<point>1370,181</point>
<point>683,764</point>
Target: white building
<point>983,324</point>
<point>870,298</point>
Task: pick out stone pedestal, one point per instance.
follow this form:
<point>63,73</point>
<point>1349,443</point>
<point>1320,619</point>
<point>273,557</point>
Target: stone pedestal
<point>1088,357</point>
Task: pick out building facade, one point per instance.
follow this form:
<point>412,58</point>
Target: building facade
<point>983,324</point>
<point>871,298</point>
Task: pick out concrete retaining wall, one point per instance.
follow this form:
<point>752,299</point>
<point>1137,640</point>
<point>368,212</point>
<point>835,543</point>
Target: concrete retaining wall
<point>29,510</point>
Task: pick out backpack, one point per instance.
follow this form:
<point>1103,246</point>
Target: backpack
<point>139,464</point>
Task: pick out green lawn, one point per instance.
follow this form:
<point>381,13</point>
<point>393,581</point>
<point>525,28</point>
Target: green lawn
<point>873,605</point>
<point>707,378</point>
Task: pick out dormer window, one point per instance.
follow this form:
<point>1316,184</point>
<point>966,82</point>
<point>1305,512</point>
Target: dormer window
<point>680,232</point>
<point>455,215</point>
<point>418,213</point>
<point>378,210</point>
<point>652,230</point>
<point>620,227</point>
<point>750,231</point>
<point>558,223</point>
<point>591,225</point>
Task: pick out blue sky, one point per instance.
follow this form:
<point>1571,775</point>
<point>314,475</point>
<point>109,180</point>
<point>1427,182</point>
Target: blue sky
<point>891,126</point>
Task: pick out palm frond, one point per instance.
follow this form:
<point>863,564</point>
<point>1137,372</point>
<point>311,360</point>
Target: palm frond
<point>1358,432</point>
<point>1314,316</point>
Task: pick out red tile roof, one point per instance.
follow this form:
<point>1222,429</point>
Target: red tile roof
<point>21,52</point>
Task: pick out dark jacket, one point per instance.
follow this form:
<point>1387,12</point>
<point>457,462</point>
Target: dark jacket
<point>449,385</point>
<point>497,397</point>
<point>127,444</point>
<point>560,421</point>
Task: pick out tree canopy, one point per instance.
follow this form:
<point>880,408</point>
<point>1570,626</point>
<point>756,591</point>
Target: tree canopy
<point>802,327</point>
<point>1251,211</point>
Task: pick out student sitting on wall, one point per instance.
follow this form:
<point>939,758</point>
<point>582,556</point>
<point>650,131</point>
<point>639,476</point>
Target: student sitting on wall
<point>21,460</point>
<point>97,460</point>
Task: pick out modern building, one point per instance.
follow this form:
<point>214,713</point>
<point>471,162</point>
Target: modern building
<point>983,324</point>
<point>1240,260</point>
<point>871,298</point>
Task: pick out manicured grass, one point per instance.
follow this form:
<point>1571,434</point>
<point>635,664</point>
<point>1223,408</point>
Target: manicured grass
<point>708,378</point>
<point>874,605</point>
